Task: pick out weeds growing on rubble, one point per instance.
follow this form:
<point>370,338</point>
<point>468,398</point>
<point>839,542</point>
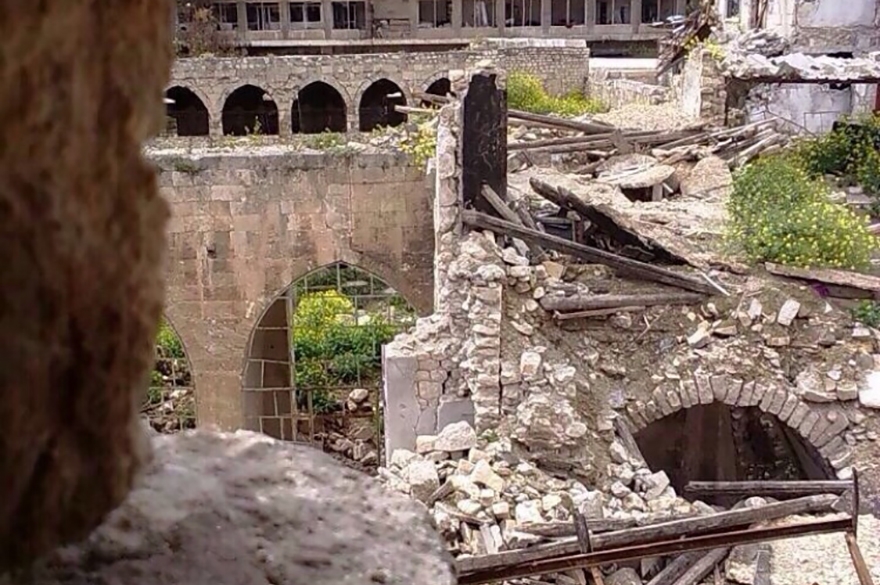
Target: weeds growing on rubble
<point>420,144</point>
<point>780,213</point>
<point>867,313</point>
<point>526,92</point>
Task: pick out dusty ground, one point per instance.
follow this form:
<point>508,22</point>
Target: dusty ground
<point>824,559</point>
<point>646,117</point>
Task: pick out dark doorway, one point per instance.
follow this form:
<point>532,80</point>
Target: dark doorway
<point>318,108</point>
<point>441,87</point>
<point>188,112</point>
<point>377,106</point>
<point>249,110</point>
<point>715,442</point>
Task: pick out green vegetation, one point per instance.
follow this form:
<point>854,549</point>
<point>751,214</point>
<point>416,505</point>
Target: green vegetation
<point>526,92</point>
<point>421,144</point>
<point>867,313</point>
<point>780,213</point>
<point>335,346</point>
<point>326,140</point>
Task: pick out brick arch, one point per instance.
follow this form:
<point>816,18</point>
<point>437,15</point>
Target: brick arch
<point>206,101</point>
<point>436,76</point>
<point>228,90</point>
<point>266,389</point>
<point>182,336</point>
<point>822,428</point>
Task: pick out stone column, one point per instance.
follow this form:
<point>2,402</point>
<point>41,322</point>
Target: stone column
<point>414,18</point>
<point>241,9</point>
<point>635,15</point>
<point>590,16</point>
<point>546,15</point>
<point>457,10</point>
<point>327,18</point>
<point>284,14</point>
<point>499,16</point>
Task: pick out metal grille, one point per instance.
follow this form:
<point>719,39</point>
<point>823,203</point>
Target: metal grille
<point>314,369</point>
<point>170,404</point>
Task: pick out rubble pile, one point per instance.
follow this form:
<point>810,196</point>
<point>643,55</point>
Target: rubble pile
<point>801,67</point>
<point>484,498</point>
<point>757,41</point>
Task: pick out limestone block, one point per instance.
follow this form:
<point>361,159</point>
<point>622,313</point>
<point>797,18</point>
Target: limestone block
<point>83,243</point>
<point>203,510</point>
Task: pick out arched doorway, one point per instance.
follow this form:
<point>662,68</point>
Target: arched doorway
<point>376,108</point>
<point>719,442</point>
<point>170,403</point>
<point>249,110</point>
<point>188,112</point>
<point>319,107</point>
<point>313,370</point>
<point>441,87</point>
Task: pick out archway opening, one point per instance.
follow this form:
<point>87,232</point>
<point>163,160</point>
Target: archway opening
<point>313,371</point>
<point>249,110</point>
<point>319,107</point>
<point>716,442</point>
<point>187,112</point>
<point>377,107</point>
<point>170,403</point>
<point>441,87</point>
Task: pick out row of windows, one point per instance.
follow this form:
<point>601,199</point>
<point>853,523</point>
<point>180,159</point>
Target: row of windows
<point>318,107</point>
<point>266,16</point>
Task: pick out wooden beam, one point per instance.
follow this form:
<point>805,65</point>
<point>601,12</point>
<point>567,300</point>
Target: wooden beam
<point>626,266</point>
<point>585,127</point>
<point>501,208</point>
<point>828,276</point>
<point>772,489</point>
<point>703,567</point>
<point>654,533</point>
<point>587,302</point>
<point>596,313</point>
<point>674,570</point>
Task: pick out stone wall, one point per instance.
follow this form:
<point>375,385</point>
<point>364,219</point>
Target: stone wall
<point>247,223</point>
<point>562,65</point>
<point>801,107</point>
<point>613,89</point>
<point>700,88</point>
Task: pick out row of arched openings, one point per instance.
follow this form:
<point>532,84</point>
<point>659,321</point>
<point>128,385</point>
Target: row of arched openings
<point>318,107</point>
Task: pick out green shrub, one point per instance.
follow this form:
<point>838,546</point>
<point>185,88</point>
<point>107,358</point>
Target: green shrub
<point>526,92</point>
<point>843,152</point>
<point>331,350</point>
<point>168,343</point>
<point>867,313</point>
<point>779,213</point>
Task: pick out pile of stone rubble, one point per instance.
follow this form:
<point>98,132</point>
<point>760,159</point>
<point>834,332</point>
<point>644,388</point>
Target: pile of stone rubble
<point>801,67</point>
<point>484,498</point>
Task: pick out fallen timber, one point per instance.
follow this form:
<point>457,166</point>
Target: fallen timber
<point>703,543</point>
<point>772,489</point>
<point>623,265</point>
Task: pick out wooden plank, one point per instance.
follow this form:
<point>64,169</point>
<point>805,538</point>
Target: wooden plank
<point>501,208</point>
<point>596,313</point>
<point>773,489</point>
<point>587,302</point>
<point>585,127</point>
<point>674,570</point>
<point>653,533</point>
<point>703,567</point>
<point>628,441</point>
<point>626,266</point>
<point>484,140</point>
<point>828,276</point>
<point>561,528</point>
<point>858,560</point>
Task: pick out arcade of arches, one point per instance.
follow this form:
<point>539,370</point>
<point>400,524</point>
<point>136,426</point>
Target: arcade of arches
<point>317,107</point>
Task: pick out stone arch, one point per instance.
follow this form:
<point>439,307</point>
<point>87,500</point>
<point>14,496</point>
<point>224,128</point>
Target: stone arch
<point>319,106</point>
<point>170,401</point>
<point>441,86</point>
<point>249,109</point>
<point>818,427</point>
<point>300,386</point>
<point>189,111</point>
<point>376,108</point>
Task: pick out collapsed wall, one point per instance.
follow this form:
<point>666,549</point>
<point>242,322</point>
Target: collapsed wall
<point>563,394</point>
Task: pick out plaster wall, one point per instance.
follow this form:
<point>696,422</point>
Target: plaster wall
<point>805,108</point>
<point>246,225</point>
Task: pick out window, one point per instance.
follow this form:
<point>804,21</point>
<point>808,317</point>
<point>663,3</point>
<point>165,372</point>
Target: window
<point>226,15</point>
<point>435,12</point>
<point>732,8</point>
<point>305,14</point>
<point>567,12</point>
<point>264,16</point>
<point>478,13</point>
<point>350,15</point>
<point>522,13</point>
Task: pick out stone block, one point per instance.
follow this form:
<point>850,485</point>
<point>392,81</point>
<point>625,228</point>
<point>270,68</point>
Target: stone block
<point>704,389</point>
<point>806,427</point>
<point>451,411</point>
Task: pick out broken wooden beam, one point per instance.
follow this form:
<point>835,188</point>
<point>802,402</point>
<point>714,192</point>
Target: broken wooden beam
<point>503,209</point>
<point>843,278</point>
<point>674,570</point>
<point>517,567</point>
<point>656,532</point>
<point>621,264</point>
<point>585,127</point>
<point>771,489</point>
<point>595,313</point>
<point>703,567</point>
<point>561,528</point>
<point>588,302</point>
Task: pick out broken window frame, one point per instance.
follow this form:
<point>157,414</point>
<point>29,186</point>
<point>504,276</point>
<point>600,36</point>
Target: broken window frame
<point>574,15</point>
<point>510,13</point>
<point>614,14</point>
<point>478,10</point>
<point>349,14</point>
<point>305,9</point>
<point>226,14</point>
<point>267,16</point>
<point>439,13</point>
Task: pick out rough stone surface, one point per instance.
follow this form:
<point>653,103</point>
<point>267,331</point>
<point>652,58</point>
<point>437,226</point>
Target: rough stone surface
<point>81,285</point>
<point>244,508</point>
<point>459,436</point>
